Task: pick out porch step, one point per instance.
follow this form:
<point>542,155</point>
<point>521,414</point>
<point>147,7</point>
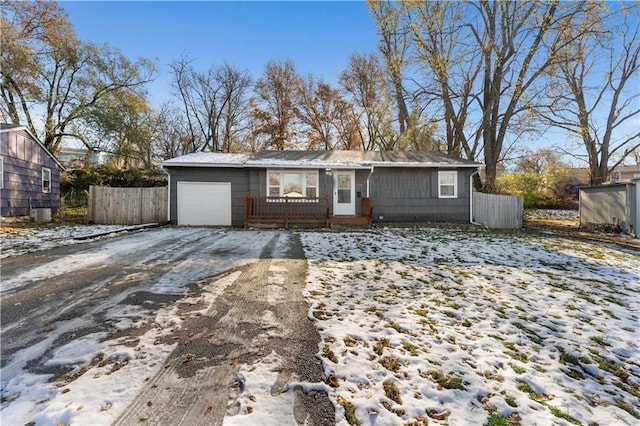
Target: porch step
<point>348,221</point>
<point>291,223</point>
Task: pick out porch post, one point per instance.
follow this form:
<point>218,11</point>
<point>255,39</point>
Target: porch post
<point>286,212</point>
<point>246,210</point>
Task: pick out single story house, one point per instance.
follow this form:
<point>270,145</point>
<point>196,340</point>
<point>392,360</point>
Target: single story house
<point>624,173</point>
<point>29,173</point>
<point>613,205</point>
<point>282,187</point>
<point>81,157</point>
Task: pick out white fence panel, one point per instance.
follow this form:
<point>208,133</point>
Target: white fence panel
<point>498,211</point>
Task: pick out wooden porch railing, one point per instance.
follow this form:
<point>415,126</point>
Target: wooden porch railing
<point>285,209</point>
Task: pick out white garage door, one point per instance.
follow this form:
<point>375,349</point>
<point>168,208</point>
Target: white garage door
<point>204,203</point>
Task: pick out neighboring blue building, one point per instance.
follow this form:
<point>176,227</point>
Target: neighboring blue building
<point>29,173</point>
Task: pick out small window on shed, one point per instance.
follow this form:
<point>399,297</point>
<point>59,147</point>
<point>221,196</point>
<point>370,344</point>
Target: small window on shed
<point>46,179</point>
<point>447,184</point>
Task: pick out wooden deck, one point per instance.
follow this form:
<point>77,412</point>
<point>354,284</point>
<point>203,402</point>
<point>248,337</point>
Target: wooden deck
<point>301,212</point>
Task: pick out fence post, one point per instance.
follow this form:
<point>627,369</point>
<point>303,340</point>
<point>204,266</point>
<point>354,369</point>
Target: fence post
<point>91,203</point>
<point>286,212</point>
<point>141,205</point>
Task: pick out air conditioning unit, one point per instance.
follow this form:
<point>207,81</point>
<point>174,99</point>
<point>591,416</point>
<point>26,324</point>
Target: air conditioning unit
<point>41,214</point>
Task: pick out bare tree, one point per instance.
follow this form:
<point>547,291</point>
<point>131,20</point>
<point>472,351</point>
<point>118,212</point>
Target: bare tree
<point>171,137</point>
<point>214,103</point>
<point>235,85</point>
<point>319,108</point>
<point>364,81</point>
<point>181,69</point>
<point>487,58</point>
<point>452,67</point>
<point>599,103</point>
<point>274,113</point>
<point>539,162</point>
<point>395,42</point>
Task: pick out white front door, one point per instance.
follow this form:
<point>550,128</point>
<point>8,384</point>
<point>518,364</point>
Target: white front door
<point>344,193</point>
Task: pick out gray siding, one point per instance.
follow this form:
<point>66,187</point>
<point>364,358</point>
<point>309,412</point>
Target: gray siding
<point>23,159</point>
<point>397,194</point>
<point>240,183</point>
<point>609,205</point>
<point>411,194</point>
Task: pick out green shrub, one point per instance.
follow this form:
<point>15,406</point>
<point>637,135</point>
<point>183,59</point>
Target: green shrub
<point>74,183</point>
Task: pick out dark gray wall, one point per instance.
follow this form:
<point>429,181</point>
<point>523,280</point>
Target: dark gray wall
<point>397,194</point>
<point>240,182</point>
<point>23,160</point>
<point>325,183</point>
<point>411,194</point>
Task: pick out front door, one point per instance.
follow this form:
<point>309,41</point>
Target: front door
<point>344,193</point>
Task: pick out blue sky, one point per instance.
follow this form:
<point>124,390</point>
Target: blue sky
<point>318,36</point>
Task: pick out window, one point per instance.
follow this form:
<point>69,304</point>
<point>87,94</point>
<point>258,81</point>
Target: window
<point>291,183</point>
<point>46,180</point>
<point>447,184</point>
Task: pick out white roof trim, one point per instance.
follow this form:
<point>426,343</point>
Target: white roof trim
<point>296,165</point>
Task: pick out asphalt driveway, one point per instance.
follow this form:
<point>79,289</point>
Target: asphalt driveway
<point>162,327</point>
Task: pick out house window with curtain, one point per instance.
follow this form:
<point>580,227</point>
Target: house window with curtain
<point>447,184</point>
<point>292,183</point>
<point>46,180</point>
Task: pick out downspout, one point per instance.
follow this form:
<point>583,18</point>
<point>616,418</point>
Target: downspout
<point>369,177</point>
<point>627,207</point>
<point>635,211</point>
<point>471,198</point>
<point>168,194</point>
<point>169,198</point>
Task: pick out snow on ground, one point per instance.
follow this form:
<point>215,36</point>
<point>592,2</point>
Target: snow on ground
<point>461,327</point>
<point>109,373</point>
<point>551,214</point>
<point>17,241</point>
<point>453,327</point>
<point>257,404</point>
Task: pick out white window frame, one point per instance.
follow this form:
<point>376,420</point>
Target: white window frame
<point>441,176</point>
<point>1,172</point>
<point>281,174</point>
<point>46,171</point>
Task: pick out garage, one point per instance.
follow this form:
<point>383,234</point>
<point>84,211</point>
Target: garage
<point>204,203</point>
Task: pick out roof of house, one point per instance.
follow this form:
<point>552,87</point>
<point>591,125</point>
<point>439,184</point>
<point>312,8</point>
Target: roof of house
<point>5,128</point>
<point>321,159</point>
<point>631,169</point>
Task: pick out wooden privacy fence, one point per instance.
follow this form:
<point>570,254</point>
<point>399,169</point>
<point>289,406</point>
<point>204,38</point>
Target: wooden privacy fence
<point>127,206</point>
<point>498,211</point>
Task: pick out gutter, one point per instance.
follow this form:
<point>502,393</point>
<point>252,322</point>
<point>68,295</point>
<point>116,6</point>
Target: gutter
<point>471,198</point>
<point>307,165</point>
